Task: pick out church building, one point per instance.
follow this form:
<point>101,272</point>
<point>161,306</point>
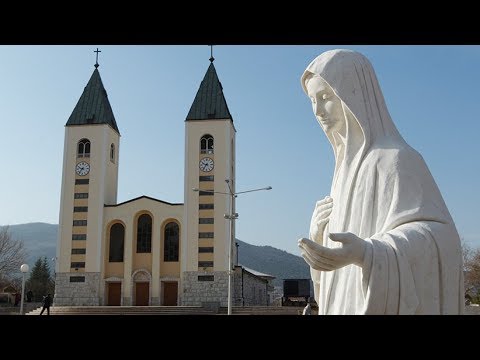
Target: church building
<point>145,251</point>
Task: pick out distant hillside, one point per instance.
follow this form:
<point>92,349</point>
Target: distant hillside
<point>40,239</point>
<point>272,261</point>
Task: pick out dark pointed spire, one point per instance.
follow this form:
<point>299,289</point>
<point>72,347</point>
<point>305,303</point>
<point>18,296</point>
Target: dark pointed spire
<point>209,102</point>
<point>93,106</point>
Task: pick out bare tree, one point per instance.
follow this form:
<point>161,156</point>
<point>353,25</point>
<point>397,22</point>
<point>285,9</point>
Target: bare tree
<point>12,255</point>
<point>471,265</point>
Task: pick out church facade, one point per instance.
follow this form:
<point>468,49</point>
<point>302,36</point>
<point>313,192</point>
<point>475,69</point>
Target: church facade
<point>146,251</point>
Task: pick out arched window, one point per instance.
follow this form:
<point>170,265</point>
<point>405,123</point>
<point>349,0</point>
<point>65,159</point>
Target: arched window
<point>117,236</point>
<point>144,234</point>
<point>206,144</point>
<point>171,240</point>
<point>83,148</point>
<point>112,153</point>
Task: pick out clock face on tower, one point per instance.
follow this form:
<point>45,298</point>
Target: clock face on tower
<point>206,164</point>
<point>82,168</point>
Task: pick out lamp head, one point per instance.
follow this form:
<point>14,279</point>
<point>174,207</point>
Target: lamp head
<point>24,268</point>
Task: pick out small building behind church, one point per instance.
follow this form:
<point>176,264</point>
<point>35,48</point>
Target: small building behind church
<point>146,251</point>
<point>252,288</point>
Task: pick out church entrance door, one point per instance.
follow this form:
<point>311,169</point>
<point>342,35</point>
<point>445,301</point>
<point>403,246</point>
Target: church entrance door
<point>170,292</point>
<point>141,293</point>
<point>114,293</point>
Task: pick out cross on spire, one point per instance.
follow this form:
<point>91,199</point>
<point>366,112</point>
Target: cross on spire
<point>211,54</point>
<point>96,63</point>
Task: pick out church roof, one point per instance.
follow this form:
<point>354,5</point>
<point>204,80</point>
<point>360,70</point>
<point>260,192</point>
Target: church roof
<point>209,102</point>
<point>143,197</point>
<point>93,106</point>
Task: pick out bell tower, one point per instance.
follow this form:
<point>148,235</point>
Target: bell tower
<point>209,161</point>
<point>89,181</point>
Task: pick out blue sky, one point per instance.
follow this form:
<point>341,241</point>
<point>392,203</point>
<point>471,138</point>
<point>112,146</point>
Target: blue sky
<point>432,93</point>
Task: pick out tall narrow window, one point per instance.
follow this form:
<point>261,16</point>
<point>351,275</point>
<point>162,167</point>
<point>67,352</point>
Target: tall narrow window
<point>112,153</point>
<point>144,234</point>
<point>206,144</point>
<point>117,237</point>
<point>171,240</point>
<point>83,148</point>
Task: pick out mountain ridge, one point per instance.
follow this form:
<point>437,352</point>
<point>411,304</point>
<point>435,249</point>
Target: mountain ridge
<point>40,240</point>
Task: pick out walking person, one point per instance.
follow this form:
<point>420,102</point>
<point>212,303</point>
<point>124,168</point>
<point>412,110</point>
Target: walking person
<point>47,301</point>
<point>18,297</point>
<point>29,296</point>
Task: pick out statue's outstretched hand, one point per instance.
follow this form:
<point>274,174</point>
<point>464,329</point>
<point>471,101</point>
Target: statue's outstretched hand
<point>320,219</point>
<point>324,258</point>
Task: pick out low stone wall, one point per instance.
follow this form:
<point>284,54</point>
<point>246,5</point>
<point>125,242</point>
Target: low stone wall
<point>472,310</point>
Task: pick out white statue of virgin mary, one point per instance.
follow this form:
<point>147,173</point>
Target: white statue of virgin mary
<point>383,241</point>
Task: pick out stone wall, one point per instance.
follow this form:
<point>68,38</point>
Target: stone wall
<point>254,289</point>
<point>197,293</point>
<point>237,285</point>
<point>77,293</point>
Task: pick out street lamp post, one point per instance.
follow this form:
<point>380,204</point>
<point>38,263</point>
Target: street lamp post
<point>232,217</point>
<point>24,269</point>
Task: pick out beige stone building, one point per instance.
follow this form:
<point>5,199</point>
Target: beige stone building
<point>146,251</point>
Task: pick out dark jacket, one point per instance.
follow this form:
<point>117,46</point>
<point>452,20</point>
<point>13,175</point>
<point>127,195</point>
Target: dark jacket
<point>47,301</point>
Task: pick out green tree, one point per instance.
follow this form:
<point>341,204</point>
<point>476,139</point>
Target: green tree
<point>40,281</point>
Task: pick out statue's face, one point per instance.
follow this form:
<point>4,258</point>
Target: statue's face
<point>327,107</point>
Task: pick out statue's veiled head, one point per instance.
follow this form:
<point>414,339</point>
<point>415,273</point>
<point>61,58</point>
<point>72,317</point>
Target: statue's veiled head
<point>348,77</point>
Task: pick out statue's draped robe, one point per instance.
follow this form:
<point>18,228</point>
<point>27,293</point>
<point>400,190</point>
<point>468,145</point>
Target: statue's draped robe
<point>384,193</point>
